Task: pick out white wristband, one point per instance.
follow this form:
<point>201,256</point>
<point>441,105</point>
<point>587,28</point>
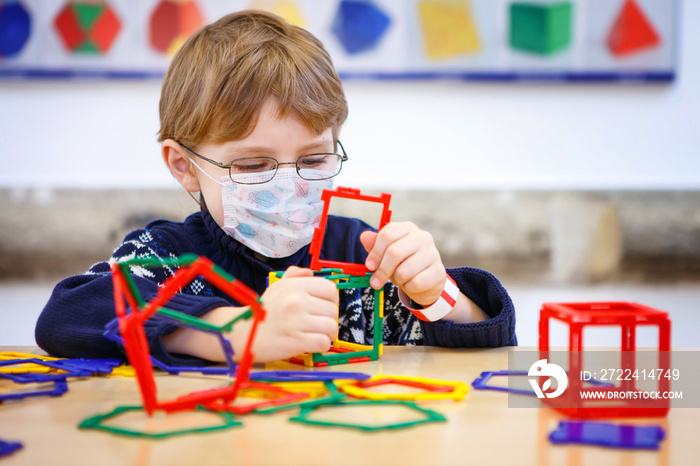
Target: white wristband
<point>445,303</point>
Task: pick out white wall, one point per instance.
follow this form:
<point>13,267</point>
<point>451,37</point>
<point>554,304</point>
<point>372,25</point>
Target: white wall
<point>409,135</point>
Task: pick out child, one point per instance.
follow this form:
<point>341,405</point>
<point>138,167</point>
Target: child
<point>250,112</point>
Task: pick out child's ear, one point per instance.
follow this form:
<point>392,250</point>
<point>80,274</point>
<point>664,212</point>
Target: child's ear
<point>178,161</point>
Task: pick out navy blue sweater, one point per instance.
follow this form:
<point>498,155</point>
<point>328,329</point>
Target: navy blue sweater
<point>72,322</point>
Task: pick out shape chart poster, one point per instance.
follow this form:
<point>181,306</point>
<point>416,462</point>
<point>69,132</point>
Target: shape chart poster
<point>556,40</point>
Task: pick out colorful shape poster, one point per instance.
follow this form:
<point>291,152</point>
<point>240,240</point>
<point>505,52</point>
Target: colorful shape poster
<point>503,40</point>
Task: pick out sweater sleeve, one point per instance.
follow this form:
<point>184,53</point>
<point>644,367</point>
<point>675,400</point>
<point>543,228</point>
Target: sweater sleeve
<point>486,292</point>
<point>73,321</point>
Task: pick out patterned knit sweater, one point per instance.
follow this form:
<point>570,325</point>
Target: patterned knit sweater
<point>72,322</point>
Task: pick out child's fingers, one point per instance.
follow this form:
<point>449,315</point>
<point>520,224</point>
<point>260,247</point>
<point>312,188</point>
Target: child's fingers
<point>315,343</point>
<point>321,324</point>
<point>394,260</point>
<point>315,286</point>
<point>387,236</point>
<point>295,272</point>
<point>426,286</point>
<point>323,307</point>
<point>367,238</point>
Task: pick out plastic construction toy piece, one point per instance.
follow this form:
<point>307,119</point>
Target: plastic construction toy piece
<point>540,28</point>
<point>59,388</point>
<point>87,26</point>
<point>7,448</point>
<point>449,29</point>
<point>29,377</point>
<point>304,376</point>
<point>432,389</point>
<point>628,316</point>
<point>425,415</point>
<point>331,395</point>
<point>111,333</point>
<point>15,28</point>
<point>345,352</point>
<point>480,382</point>
<point>608,435</point>
<point>25,368</point>
<point>317,242</point>
<point>131,324</point>
<point>632,31</point>
<point>97,422</point>
<point>359,25</point>
<point>93,366</point>
<point>273,396</point>
<point>172,22</point>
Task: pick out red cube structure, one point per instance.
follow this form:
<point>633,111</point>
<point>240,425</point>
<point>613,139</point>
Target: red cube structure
<point>625,399</point>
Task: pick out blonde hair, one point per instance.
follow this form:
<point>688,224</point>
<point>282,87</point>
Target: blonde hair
<point>218,80</point>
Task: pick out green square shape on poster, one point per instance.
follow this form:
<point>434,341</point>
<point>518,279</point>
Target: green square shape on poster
<point>540,28</point>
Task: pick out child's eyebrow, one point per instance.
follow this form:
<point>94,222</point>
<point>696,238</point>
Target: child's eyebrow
<point>248,151</point>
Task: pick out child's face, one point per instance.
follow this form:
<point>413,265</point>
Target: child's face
<point>284,139</point>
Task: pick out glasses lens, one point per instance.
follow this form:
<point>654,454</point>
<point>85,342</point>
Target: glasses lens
<point>253,170</point>
<point>319,166</point>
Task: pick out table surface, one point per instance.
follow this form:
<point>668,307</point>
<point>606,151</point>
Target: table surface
<point>481,429</point>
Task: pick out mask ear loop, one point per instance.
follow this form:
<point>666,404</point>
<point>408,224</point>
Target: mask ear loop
<point>206,174</point>
<point>201,202</point>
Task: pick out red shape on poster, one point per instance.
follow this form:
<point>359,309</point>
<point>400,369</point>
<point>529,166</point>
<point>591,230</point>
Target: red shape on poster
<point>632,31</point>
<point>105,30</point>
<point>67,24</point>
<point>172,23</point>
<point>87,26</point>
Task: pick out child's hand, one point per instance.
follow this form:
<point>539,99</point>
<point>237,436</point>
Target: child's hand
<point>302,317</point>
<point>407,256</point>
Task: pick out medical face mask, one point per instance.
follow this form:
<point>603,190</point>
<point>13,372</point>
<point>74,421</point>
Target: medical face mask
<point>276,218</point>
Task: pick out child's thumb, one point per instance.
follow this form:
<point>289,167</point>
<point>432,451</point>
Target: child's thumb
<point>367,238</point>
<point>294,272</point>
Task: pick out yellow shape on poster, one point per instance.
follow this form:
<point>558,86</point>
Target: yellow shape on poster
<point>448,27</point>
<point>287,10</point>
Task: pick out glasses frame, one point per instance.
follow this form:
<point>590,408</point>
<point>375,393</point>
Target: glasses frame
<point>343,158</point>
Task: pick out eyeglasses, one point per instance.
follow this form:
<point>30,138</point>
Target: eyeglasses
<point>312,167</point>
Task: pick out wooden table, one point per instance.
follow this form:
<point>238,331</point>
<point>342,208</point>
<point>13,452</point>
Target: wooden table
<point>480,430</point>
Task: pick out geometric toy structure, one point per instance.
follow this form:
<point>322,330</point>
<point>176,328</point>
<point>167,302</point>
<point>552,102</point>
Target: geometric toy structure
<point>608,435</point>
<point>317,242</point>
<point>345,352</point>
<point>131,326</point>
<point>226,421</point>
<point>431,389</point>
<point>632,31</point>
<point>87,27</point>
<point>540,28</point>
<point>423,415</point>
<point>622,400</point>
<point>15,27</point>
<point>346,275</point>
<point>359,25</point>
<point>172,22</point>
<point>449,29</point>
<point>480,383</point>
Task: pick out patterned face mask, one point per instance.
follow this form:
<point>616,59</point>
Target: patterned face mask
<point>276,218</point>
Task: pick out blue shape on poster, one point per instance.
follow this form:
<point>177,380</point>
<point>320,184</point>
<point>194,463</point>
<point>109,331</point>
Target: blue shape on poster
<point>608,435</point>
<point>15,26</point>
<point>359,25</point>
